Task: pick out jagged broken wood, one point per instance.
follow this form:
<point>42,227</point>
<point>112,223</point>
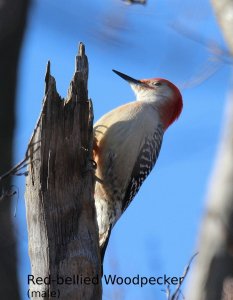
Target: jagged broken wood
<point>62,227</point>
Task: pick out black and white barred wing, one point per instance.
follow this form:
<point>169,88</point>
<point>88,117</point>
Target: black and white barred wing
<point>145,163</point>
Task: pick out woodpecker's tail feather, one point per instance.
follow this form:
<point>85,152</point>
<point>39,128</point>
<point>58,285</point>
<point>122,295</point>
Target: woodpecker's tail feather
<point>103,248</point>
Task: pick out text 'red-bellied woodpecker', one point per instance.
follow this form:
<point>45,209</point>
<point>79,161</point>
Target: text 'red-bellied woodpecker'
<point>127,144</point>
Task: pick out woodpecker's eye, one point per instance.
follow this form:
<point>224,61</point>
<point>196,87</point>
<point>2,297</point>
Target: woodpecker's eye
<point>156,83</point>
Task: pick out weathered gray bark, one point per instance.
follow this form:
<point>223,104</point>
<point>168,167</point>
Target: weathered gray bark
<point>12,25</point>
<point>62,227</point>
<point>213,274</point>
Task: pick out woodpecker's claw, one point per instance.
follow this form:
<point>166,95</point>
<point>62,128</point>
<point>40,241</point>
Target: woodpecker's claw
<point>92,165</point>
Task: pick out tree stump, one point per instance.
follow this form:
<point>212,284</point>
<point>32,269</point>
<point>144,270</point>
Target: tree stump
<point>61,217</point>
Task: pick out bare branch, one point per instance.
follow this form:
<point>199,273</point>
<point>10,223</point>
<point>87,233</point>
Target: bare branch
<point>177,292</point>
<point>212,46</point>
<point>143,2</point>
<point>218,56</point>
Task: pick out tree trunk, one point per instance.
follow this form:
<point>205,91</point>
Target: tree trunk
<point>12,24</point>
<point>61,217</point>
<point>213,273</point>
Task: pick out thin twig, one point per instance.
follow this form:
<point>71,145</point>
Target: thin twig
<point>14,169</point>
<point>7,194</point>
<point>218,56</point>
<point>178,289</point>
<point>22,164</point>
<point>213,47</point>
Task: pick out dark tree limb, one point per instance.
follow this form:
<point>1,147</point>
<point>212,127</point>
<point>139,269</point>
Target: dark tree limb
<point>12,25</point>
<point>61,217</point>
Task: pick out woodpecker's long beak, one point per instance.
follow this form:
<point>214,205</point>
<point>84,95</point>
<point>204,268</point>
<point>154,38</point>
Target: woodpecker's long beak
<point>127,78</point>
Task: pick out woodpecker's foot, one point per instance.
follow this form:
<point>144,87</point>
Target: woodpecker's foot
<point>91,165</point>
<point>94,164</point>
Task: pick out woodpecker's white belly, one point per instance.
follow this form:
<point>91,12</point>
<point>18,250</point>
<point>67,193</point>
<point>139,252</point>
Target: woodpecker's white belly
<point>118,145</point>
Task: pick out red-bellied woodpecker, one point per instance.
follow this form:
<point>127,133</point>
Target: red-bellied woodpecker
<point>127,144</point>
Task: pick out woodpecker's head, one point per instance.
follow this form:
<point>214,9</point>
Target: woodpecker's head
<point>162,92</point>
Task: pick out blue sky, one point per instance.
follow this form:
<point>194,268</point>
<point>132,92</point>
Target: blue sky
<point>157,235</point>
